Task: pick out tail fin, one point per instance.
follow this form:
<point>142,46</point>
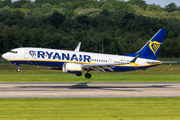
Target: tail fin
<point>151,49</point>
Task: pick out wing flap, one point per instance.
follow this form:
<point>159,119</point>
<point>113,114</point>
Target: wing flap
<point>100,67</point>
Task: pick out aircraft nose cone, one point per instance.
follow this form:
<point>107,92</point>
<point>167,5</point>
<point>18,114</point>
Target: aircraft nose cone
<point>5,56</point>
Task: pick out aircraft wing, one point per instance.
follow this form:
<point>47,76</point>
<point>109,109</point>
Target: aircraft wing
<point>100,67</point>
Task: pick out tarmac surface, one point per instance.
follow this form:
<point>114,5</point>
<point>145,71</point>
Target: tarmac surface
<point>88,90</point>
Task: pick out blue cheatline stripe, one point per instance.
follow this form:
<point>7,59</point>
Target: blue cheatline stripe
<point>31,60</point>
<point>60,64</point>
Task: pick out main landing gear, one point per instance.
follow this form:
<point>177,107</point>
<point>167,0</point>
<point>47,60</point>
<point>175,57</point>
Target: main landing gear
<point>79,74</point>
<point>87,75</point>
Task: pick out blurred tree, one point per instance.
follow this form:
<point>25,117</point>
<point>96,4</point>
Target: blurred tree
<point>57,19</point>
<point>94,4</point>
<point>171,7</point>
<point>124,27</point>
<point>107,5</point>
<point>120,6</point>
<point>7,3</point>
<point>83,19</point>
<point>69,14</point>
<point>140,3</point>
<point>19,3</point>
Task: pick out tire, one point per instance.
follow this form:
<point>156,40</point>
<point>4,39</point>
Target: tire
<point>87,75</point>
<point>79,74</point>
<point>18,69</point>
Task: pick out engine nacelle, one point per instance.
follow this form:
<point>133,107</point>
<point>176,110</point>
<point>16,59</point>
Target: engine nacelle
<point>72,68</point>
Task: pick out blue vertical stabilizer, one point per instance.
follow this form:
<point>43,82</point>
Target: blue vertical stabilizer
<point>151,49</point>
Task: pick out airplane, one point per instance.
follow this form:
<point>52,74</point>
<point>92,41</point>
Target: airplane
<point>76,62</point>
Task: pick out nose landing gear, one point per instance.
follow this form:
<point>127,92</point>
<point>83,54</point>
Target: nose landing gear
<point>18,69</point>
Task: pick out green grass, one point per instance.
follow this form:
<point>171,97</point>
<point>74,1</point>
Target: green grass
<point>163,73</point>
<point>91,109</point>
<point>33,74</point>
<point>97,77</point>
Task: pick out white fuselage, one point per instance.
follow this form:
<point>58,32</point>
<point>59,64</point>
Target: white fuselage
<point>56,58</point>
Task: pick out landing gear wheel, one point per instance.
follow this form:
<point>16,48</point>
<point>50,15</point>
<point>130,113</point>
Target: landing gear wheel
<point>79,74</point>
<point>18,69</point>
<point>87,75</point>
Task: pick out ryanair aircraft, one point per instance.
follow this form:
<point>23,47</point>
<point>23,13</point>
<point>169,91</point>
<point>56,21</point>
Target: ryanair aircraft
<point>75,61</point>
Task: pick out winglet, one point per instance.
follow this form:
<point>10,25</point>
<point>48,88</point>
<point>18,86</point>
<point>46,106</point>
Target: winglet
<point>78,47</point>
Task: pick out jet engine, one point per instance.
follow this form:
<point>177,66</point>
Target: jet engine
<point>72,68</point>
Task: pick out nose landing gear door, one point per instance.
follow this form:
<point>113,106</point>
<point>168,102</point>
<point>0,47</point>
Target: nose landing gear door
<point>25,54</point>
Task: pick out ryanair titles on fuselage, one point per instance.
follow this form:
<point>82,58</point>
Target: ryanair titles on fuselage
<point>60,56</point>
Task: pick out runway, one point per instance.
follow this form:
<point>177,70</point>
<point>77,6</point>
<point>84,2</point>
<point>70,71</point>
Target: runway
<point>88,90</point>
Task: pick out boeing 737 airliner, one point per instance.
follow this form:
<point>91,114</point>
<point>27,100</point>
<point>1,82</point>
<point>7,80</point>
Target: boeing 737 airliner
<point>75,61</point>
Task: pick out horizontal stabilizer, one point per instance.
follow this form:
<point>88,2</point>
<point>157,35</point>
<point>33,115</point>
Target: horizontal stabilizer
<point>154,62</point>
<point>169,61</point>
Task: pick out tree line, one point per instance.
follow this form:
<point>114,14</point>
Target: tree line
<point>122,27</point>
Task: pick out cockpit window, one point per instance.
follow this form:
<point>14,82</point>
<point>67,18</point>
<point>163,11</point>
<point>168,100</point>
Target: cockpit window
<point>13,51</point>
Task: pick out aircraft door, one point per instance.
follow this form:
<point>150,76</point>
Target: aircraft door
<point>26,54</point>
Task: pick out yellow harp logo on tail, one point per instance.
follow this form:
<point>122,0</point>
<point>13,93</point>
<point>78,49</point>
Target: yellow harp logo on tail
<point>154,46</point>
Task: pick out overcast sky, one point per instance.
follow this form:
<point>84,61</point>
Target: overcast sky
<point>162,3</point>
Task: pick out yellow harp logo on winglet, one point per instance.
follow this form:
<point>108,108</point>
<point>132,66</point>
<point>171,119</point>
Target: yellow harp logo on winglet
<point>154,46</point>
